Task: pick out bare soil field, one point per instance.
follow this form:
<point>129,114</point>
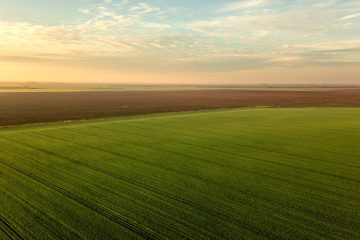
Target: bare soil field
<point>35,107</point>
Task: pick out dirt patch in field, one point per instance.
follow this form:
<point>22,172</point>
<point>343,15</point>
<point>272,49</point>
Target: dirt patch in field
<point>22,108</point>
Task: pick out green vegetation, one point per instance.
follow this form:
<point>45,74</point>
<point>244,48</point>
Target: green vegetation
<point>249,174</point>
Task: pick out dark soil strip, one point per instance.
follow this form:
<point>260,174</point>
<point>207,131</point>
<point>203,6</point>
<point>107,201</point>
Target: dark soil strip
<point>8,230</point>
<point>24,108</point>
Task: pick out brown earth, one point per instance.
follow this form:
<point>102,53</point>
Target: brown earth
<point>22,108</point>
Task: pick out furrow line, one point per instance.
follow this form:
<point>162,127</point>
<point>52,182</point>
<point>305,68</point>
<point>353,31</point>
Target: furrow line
<point>94,207</point>
<point>253,147</point>
<point>20,200</point>
<point>266,130</point>
<point>199,159</point>
<point>244,225</point>
<point>5,227</point>
<point>254,158</point>
<point>288,130</point>
<point>308,212</point>
<point>41,221</point>
<point>184,234</point>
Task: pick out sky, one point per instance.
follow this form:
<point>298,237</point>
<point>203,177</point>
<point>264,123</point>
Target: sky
<point>181,41</point>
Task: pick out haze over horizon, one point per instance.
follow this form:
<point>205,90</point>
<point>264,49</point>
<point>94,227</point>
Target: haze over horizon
<point>180,41</point>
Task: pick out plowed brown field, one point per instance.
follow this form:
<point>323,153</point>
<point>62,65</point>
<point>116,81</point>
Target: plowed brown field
<point>27,107</point>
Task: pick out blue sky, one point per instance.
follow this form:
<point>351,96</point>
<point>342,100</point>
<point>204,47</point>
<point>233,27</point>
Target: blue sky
<point>208,37</point>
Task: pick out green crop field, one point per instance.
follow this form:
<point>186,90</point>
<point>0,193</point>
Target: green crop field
<point>225,174</point>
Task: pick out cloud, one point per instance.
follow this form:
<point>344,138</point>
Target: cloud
<point>246,4</point>
<point>98,35</point>
<point>84,10</point>
<point>291,59</point>
<point>351,16</point>
<point>144,8</point>
<point>295,35</point>
<point>232,40</point>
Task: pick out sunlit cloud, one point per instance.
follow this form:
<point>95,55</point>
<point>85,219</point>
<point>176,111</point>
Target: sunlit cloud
<point>241,5</point>
<point>84,10</point>
<point>232,36</point>
<point>351,16</point>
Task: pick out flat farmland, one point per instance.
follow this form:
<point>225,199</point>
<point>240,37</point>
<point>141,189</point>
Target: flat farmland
<point>266,173</point>
<point>35,107</point>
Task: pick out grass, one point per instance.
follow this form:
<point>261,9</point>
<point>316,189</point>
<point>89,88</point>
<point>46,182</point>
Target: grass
<point>226,174</point>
